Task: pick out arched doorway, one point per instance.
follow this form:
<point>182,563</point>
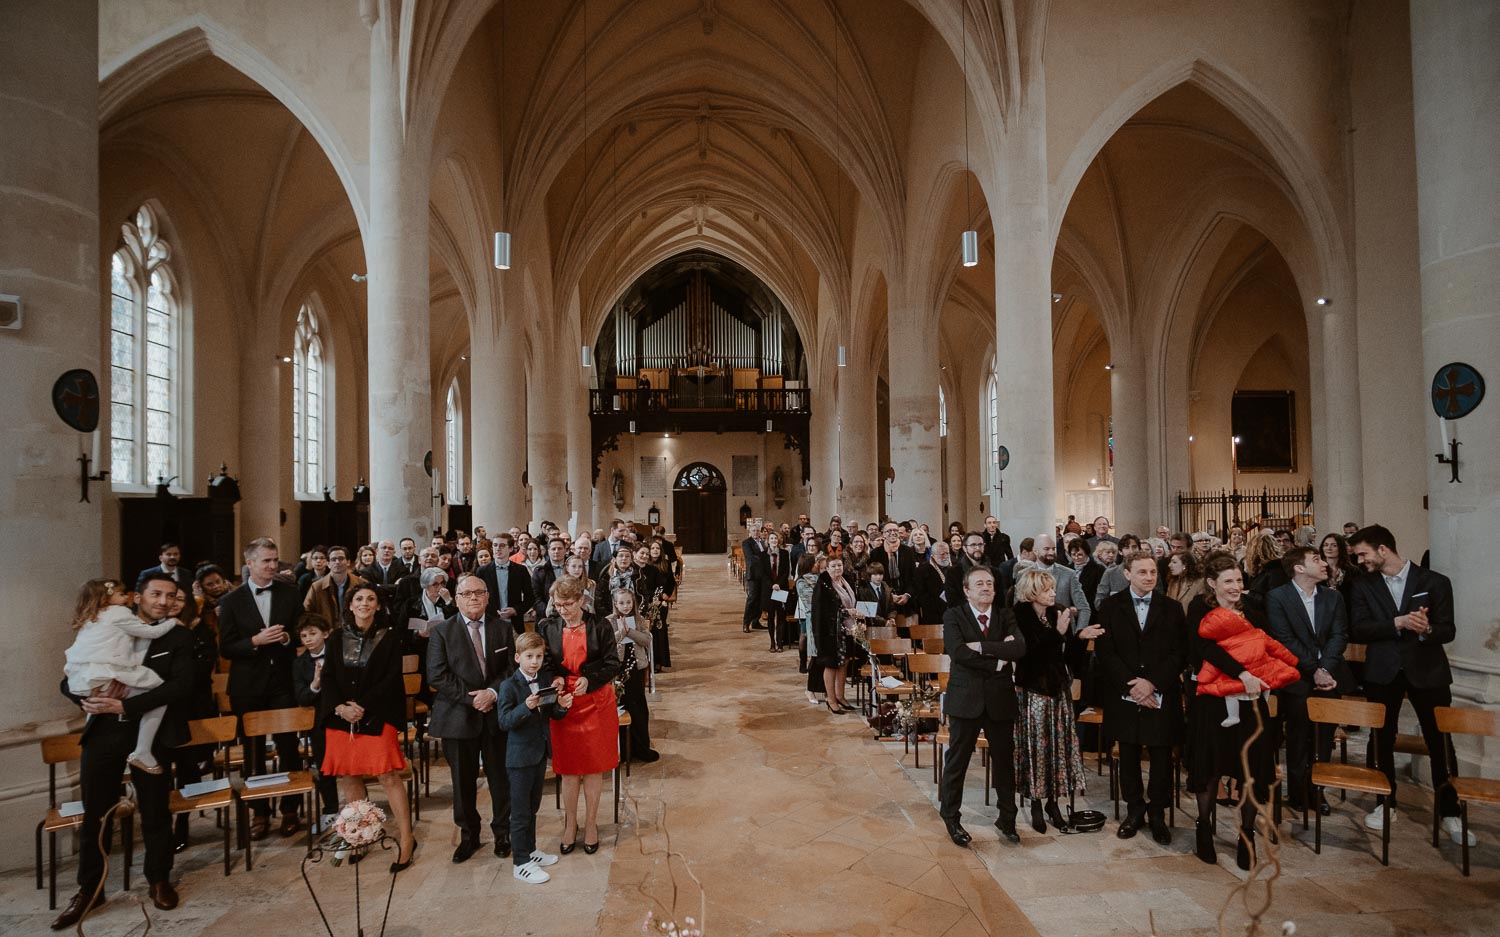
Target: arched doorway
<point>698,500</point>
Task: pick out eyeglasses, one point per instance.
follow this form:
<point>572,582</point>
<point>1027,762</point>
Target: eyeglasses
<point>468,592</point>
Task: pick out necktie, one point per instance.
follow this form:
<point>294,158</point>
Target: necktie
<point>984,625</point>
<point>478,643</point>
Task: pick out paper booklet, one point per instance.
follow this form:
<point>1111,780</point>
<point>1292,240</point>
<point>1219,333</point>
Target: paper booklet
<point>867,609</point>
<point>211,786</point>
<point>778,595</point>
<point>267,780</point>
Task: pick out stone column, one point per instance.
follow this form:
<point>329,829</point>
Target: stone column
<point>915,456</point>
<point>1456,105</point>
<point>547,445</point>
<point>497,422</point>
<point>396,251</point>
<point>580,457</point>
<point>1127,403</point>
<point>49,256</point>
<point>858,459</point>
<point>1023,329</point>
<point>1340,493</point>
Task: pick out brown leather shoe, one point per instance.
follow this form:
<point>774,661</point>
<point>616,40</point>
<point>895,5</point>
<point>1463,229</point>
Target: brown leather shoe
<point>163,895</point>
<point>290,825</point>
<point>260,827</point>
<point>76,909</point>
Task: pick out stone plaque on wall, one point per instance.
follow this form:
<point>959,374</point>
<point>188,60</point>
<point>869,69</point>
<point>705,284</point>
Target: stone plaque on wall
<point>745,476</point>
<point>653,482</point>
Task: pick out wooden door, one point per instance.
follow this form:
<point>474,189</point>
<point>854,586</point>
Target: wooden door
<point>687,520</point>
<point>715,535</point>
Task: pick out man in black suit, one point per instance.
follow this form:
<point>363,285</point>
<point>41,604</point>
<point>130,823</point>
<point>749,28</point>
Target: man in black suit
<point>1140,657</point>
<point>756,572</point>
<point>1310,620</point>
<point>386,570</point>
<point>257,633</point>
<point>409,585</point>
<point>996,544</point>
<point>900,562</point>
<point>169,557</point>
<point>509,584</point>
<point>779,575</point>
<point>982,640</point>
<point>604,550</point>
<point>547,573</point>
<point>468,658</point>
<point>109,737</point>
<point>973,556</point>
<point>1403,614</point>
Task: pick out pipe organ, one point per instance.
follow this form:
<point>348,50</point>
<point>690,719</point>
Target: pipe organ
<point>700,331</point>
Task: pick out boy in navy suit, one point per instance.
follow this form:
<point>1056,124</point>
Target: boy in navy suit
<point>524,716</point>
<point>307,685</point>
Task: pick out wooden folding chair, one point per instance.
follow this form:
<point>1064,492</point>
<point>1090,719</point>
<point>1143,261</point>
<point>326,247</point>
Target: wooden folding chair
<point>1461,720</point>
<point>924,669</point>
<point>1349,777</point>
<point>921,634</point>
<point>299,719</point>
<point>414,738</point>
<point>220,732</point>
<point>57,750</point>
<point>898,649</point>
<point>1090,716</point>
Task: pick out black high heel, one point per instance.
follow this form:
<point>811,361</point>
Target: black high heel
<point>398,865</point>
<point>1055,817</point>
<point>590,848</point>
<point>568,846</point>
<point>1037,823</point>
<point>1244,853</point>
<point>1205,845</point>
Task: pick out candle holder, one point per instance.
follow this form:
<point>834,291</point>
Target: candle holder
<point>84,477</point>
<point>337,850</point>
<point>1451,460</point>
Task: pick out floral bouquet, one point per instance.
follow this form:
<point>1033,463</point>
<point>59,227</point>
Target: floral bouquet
<point>359,825</point>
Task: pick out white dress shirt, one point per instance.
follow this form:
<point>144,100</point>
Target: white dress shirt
<point>1309,602</point>
<point>1142,605</point>
<point>1397,584</point>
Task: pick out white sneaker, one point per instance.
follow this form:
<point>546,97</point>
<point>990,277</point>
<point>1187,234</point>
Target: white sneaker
<point>1455,831</point>
<point>543,859</point>
<point>325,822</point>
<point>1375,819</point>
<point>531,874</point>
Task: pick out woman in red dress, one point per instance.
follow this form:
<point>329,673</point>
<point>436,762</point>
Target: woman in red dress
<point>582,660</point>
<point>362,707</point>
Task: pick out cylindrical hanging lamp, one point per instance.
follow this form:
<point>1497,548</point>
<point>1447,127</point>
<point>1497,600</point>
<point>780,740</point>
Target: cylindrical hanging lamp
<point>971,248</point>
<point>502,250</point>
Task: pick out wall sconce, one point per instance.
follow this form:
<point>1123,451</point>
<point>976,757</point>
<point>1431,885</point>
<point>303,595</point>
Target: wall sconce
<point>653,516</point>
<point>284,359</point>
<point>1322,301</point>
<point>502,250</point>
<point>971,248</point>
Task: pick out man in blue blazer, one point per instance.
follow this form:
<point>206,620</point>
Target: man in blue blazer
<point>1310,620</point>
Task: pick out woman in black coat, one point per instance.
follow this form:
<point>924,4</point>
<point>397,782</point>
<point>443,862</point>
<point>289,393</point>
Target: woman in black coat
<point>932,579</point>
<point>833,603</point>
<point>362,709</point>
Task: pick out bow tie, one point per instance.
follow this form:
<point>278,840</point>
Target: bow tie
<point>260,589</point>
<point>1142,601</point>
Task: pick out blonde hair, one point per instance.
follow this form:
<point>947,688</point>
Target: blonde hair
<point>527,640</point>
<point>1031,583</point>
<point>1261,552</point>
<point>93,596</point>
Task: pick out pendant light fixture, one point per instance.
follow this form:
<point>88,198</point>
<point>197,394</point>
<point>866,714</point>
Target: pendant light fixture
<point>502,238</point>
<point>971,238</point>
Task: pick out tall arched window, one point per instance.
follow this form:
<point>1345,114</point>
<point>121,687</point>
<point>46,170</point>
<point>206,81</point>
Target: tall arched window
<point>453,442</point>
<point>146,358</point>
<point>994,401</point>
<point>309,406</point>
<point>942,413</point>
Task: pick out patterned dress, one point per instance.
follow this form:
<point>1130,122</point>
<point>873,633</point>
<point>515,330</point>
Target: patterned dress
<point>1049,764</point>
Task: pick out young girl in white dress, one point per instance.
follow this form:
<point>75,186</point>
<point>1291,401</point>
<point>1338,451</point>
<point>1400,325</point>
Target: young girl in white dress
<point>111,645</point>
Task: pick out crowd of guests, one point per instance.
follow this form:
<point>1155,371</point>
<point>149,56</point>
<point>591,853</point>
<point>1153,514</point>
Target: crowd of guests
<point>528,646</point>
<point>1178,639</point>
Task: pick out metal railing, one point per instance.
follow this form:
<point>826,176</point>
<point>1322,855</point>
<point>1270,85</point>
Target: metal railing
<point>635,400</point>
<point>1218,511</point>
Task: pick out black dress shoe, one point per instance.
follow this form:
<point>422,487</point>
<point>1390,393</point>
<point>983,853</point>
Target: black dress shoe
<point>647,756</point>
<point>163,895</point>
<point>1160,831</point>
<point>1007,830</point>
<point>502,847</point>
<point>958,834</point>
<point>1037,823</point>
<point>1324,808</point>
<point>464,851</point>
<point>1131,825</point>
<point>82,903</point>
<point>1205,846</point>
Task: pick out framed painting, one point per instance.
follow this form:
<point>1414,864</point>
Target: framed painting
<point>1266,423</point>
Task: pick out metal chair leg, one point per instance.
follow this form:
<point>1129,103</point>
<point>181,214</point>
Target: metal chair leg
<point>1318,827</point>
<point>1463,829</point>
<point>1385,833</point>
<point>127,840</point>
<point>224,818</point>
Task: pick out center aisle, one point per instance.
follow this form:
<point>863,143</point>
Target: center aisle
<point>796,821</point>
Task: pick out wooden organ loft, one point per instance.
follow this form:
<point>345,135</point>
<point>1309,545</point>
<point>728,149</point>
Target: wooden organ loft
<point>699,344</point>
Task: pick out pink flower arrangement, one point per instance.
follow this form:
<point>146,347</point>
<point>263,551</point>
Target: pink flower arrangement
<point>360,823</point>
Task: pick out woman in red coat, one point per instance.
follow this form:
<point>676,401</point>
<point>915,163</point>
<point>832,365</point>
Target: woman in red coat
<point>582,660</point>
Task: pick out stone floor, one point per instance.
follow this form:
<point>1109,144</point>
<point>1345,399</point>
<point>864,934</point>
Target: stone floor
<point>781,819</point>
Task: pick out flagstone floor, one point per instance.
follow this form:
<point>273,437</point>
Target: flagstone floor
<point>782,819</point>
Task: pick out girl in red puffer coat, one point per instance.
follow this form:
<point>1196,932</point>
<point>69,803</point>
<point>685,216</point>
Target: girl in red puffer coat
<point>1258,652</point>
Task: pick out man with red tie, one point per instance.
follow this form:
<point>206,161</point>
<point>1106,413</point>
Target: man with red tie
<point>982,642</point>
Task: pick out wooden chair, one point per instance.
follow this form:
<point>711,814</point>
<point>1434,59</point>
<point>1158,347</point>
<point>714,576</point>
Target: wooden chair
<point>924,633</point>
<point>898,649</point>
<point>414,739</point>
<point>221,691</point>
<point>924,669</point>
<point>1091,717</point>
<point>1349,777</point>
<point>297,719</point>
<point>57,750</point>
<point>218,731</point>
<point>1460,720</point>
